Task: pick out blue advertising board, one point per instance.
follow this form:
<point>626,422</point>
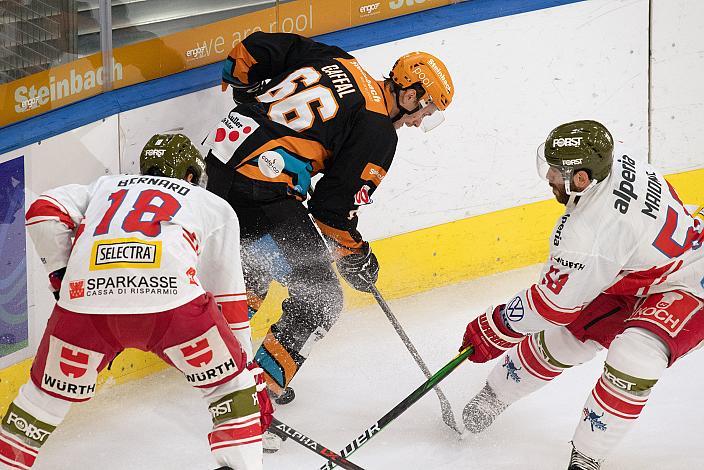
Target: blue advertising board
<point>13,259</point>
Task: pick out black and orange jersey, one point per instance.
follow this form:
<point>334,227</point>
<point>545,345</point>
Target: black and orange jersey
<point>319,112</point>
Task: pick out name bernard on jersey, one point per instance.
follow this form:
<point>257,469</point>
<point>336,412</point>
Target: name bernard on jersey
<point>166,183</point>
<point>121,285</point>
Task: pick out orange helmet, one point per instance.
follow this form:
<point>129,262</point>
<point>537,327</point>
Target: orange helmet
<point>429,72</point>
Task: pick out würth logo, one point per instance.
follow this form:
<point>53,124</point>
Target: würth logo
<point>73,363</point>
<point>76,289</point>
<point>199,354</point>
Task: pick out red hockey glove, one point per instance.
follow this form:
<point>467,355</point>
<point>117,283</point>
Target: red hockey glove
<point>265,407</point>
<point>489,335</point>
<point>360,270</point>
<point>55,279</point>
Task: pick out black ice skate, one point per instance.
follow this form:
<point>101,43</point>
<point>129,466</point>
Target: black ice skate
<point>285,398</point>
<point>579,461</point>
<point>481,410</point>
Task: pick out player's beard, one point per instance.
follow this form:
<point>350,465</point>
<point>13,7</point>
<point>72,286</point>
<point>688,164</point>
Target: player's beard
<point>560,194</point>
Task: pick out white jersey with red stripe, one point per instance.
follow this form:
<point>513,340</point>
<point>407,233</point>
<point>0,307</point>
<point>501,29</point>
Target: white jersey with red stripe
<point>141,244</point>
<point>628,235</point>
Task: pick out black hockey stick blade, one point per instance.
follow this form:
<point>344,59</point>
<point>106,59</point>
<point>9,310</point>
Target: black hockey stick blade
<point>287,432</point>
<point>448,416</point>
<point>406,403</point>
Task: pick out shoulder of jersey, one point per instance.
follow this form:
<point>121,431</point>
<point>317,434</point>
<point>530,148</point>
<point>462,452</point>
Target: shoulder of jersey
<point>351,80</point>
<point>214,202</point>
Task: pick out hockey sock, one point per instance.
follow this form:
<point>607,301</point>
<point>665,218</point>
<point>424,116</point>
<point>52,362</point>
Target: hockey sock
<point>279,361</point>
<point>635,361</point>
<point>237,433</point>
<point>27,425</point>
<point>536,361</point>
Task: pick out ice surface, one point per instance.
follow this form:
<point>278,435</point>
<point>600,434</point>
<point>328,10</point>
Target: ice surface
<point>359,372</point>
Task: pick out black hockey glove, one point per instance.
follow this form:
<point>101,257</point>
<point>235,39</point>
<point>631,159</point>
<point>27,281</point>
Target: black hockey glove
<point>360,270</point>
<point>242,93</point>
<point>55,279</point>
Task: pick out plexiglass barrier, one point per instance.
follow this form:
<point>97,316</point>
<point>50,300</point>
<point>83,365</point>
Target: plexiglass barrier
<point>56,52</point>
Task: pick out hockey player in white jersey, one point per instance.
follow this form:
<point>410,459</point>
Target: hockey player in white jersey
<point>625,272</point>
<point>148,262</point>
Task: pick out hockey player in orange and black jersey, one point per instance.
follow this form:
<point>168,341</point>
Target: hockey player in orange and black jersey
<point>304,108</point>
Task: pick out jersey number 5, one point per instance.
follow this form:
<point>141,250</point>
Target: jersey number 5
<point>295,110</point>
<point>145,204</point>
<point>665,241</point>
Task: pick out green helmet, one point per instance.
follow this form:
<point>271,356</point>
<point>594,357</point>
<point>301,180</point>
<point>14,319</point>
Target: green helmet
<point>171,155</point>
<point>580,145</point>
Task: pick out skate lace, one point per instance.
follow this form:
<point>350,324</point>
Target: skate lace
<point>579,461</point>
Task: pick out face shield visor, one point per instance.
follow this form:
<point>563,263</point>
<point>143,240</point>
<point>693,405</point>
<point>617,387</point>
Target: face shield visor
<point>431,116</point>
<point>544,167</point>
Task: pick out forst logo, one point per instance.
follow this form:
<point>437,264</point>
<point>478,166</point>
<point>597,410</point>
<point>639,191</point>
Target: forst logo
<point>198,354</point>
<point>154,152</point>
<point>567,142</point>
<point>28,429</point>
<point>573,162</point>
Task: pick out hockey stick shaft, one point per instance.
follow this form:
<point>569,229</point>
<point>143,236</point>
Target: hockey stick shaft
<point>446,409</point>
<point>287,432</point>
<point>406,403</point>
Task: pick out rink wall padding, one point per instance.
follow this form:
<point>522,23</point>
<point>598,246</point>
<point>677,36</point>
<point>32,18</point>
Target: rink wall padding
<point>459,203</point>
<point>410,263</point>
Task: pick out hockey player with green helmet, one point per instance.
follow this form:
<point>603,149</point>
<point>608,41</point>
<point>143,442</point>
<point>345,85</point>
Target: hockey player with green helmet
<point>624,273</point>
<point>152,262</point>
<point>173,156</point>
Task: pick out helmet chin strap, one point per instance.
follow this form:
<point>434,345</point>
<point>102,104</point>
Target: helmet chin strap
<point>401,110</point>
<point>568,187</point>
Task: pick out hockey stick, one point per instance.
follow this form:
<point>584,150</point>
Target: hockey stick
<point>447,415</point>
<point>397,410</point>
<point>285,431</point>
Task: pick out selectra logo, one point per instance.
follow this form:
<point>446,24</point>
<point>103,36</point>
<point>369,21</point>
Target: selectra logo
<point>125,253</point>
